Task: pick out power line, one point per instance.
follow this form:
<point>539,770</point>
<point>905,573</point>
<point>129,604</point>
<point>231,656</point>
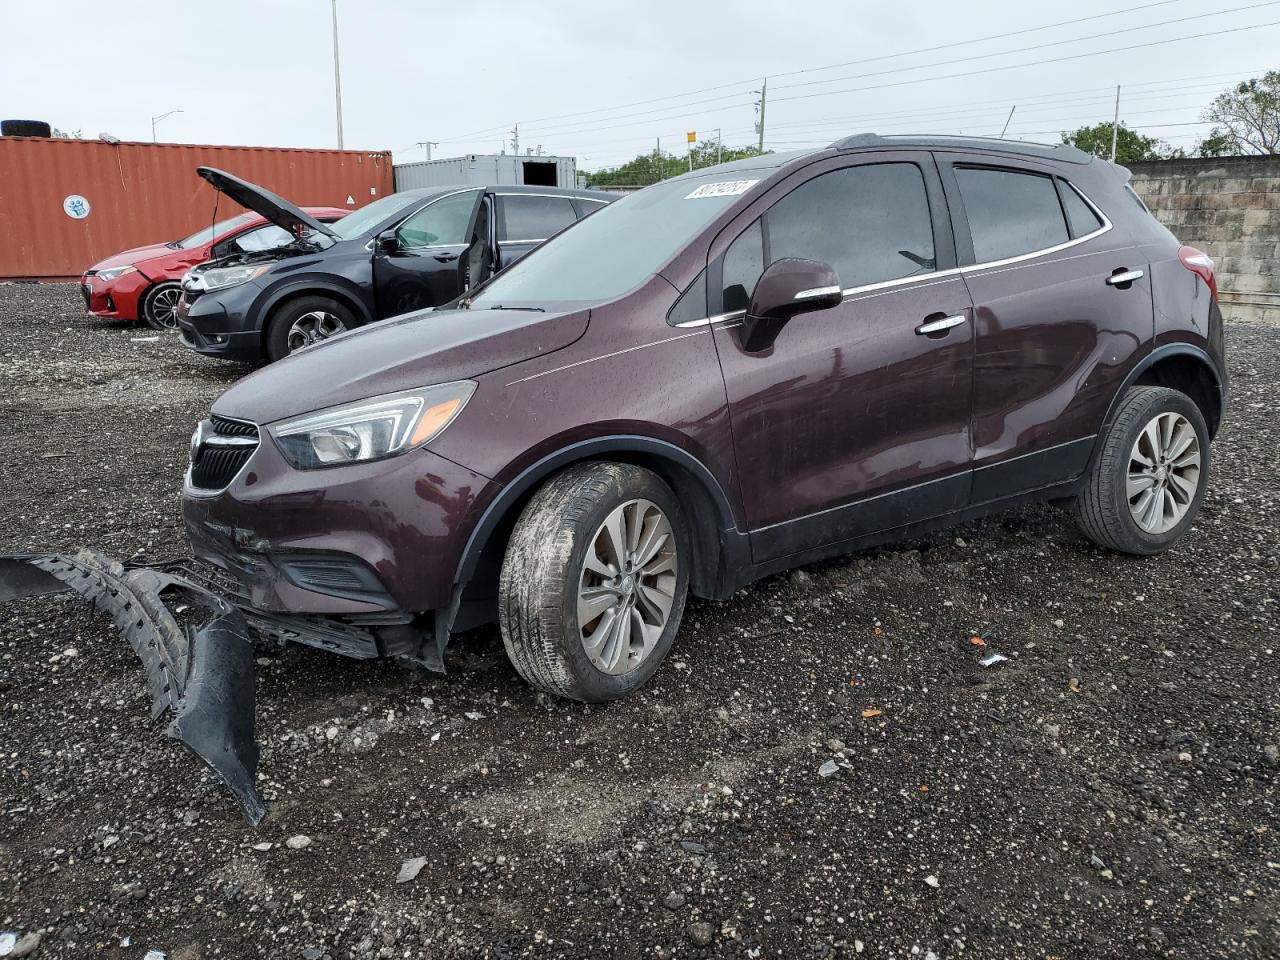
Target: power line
<point>1035,63</point>
<point>1038,46</point>
<point>904,53</point>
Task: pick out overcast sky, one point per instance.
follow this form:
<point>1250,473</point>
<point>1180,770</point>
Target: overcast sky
<point>261,73</point>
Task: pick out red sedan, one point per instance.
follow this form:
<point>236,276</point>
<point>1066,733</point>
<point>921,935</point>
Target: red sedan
<point>143,283</point>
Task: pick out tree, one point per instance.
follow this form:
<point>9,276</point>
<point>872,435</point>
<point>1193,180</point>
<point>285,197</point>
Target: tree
<point>1131,146</point>
<point>1247,117</point>
<point>1217,144</point>
<point>654,166</point>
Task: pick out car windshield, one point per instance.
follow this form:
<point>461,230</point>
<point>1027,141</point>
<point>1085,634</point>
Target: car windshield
<point>359,222</point>
<point>207,235</point>
<point>619,247</point>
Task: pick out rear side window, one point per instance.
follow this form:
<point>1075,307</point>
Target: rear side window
<point>1080,216</point>
<point>533,218</point>
<point>1010,213</point>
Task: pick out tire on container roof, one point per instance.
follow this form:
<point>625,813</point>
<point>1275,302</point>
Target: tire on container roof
<point>25,128</point>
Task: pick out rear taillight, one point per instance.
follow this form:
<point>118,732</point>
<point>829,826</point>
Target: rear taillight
<point>1201,264</point>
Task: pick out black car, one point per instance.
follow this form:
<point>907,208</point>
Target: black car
<point>407,251</point>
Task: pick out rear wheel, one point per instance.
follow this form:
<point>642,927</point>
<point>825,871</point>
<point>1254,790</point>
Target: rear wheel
<point>159,306</point>
<point>1147,483</point>
<point>594,582</point>
<point>303,322</point>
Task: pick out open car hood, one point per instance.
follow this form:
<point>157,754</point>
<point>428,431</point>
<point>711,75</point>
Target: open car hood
<point>266,204</point>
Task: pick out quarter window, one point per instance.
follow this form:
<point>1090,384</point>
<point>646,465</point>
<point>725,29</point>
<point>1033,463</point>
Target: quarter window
<point>743,264</point>
<point>533,218</point>
<point>1010,213</point>
<point>441,223</point>
<point>1080,216</point>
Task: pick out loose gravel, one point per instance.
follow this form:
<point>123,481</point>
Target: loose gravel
<point>823,768</point>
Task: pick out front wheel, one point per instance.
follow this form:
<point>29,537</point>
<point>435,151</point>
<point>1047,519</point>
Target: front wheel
<point>594,582</point>
<point>303,322</point>
<point>1148,480</point>
<point>159,306</point>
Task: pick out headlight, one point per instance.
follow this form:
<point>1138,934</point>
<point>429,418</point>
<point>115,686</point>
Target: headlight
<point>371,429</point>
<point>116,272</point>
<point>222,277</point>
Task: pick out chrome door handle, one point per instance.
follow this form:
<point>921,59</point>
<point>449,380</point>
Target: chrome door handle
<point>1124,277</point>
<point>937,326</point>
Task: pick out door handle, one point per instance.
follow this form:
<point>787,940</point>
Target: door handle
<point>1123,278</point>
<point>445,257</point>
<point>941,325</point>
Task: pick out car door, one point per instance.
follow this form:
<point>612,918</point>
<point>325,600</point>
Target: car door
<point>527,219</point>
<point>856,419</point>
<point>1060,307</point>
<point>422,262</point>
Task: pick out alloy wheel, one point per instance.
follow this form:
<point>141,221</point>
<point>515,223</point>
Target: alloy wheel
<point>313,327</point>
<point>627,587</point>
<point>1164,472</point>
<point>164,307</point>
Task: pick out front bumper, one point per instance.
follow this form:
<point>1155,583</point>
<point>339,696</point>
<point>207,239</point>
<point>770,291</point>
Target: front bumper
<point>222,323</point>
<point>113,299</point>
<point>405,520</point>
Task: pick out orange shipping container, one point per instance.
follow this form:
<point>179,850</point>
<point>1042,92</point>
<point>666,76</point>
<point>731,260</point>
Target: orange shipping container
<point>65,204</point>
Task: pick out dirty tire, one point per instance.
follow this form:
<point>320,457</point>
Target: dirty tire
<point>155,309</point>
<point>277,338</point>
<point>542,570</point>
<point>1102,507</point>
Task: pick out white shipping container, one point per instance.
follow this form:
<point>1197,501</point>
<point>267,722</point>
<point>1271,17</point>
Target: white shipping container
<point>482,168</point>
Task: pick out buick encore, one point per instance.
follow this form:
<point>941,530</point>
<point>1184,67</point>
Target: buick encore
<point>724,375</point>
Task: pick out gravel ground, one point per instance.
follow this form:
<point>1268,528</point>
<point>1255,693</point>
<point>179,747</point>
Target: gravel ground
<point>1109,791</point>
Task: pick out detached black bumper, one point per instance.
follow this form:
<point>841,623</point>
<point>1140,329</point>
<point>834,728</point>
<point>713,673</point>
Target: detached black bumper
<point>204,675</point>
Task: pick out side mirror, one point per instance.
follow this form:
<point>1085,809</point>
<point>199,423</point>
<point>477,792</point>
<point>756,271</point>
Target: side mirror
<point>786,289</point>
<point>388,242</point>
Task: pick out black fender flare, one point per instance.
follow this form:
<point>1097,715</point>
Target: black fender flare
<point>541,469</point>
<point>1160,353</point>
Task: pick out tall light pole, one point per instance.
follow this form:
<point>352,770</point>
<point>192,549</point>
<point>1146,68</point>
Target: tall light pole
<point>337,74</point>
<point>155,120</point>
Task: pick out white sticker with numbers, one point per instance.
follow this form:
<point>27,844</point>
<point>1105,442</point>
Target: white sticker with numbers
<point>722,188</point>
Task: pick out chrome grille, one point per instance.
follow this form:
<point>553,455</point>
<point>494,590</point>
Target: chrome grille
<point>219,450</point>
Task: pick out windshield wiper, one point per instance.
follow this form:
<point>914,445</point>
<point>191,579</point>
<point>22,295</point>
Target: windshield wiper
<point>498,306</point>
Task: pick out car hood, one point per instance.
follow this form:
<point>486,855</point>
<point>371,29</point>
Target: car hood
<point>416,350</point>
<point>136,256</point>
<point>266,204</point>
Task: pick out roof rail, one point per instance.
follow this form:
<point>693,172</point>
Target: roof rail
<point>1062,152</point>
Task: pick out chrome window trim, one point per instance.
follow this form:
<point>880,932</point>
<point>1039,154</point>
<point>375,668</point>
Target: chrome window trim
<point>875,288</point>
<point>535,240</point>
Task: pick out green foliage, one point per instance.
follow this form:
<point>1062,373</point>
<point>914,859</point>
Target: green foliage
<point>1131,146</point>
<point>1217,144</point>
<point>1246,118</point>
<point>651,167</point>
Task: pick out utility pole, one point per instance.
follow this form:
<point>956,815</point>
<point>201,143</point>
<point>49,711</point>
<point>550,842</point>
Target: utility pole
<point>428,144</point>
<point>719,145</point>
<point>1115,125</point>
<point>337,74</point>
<point>515,139</point>
<point>155,120</point>
<point>764,93</point>
<point>1007,119</point>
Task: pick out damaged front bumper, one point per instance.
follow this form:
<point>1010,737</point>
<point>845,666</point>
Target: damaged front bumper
<point>204,675</point>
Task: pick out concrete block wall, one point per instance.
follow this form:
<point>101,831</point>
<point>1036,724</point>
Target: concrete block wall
<point>1229,207</point>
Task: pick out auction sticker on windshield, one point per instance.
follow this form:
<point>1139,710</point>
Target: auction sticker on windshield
<point>722,188</point>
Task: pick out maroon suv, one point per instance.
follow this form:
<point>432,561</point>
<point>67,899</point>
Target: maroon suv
<point>716,378</point>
